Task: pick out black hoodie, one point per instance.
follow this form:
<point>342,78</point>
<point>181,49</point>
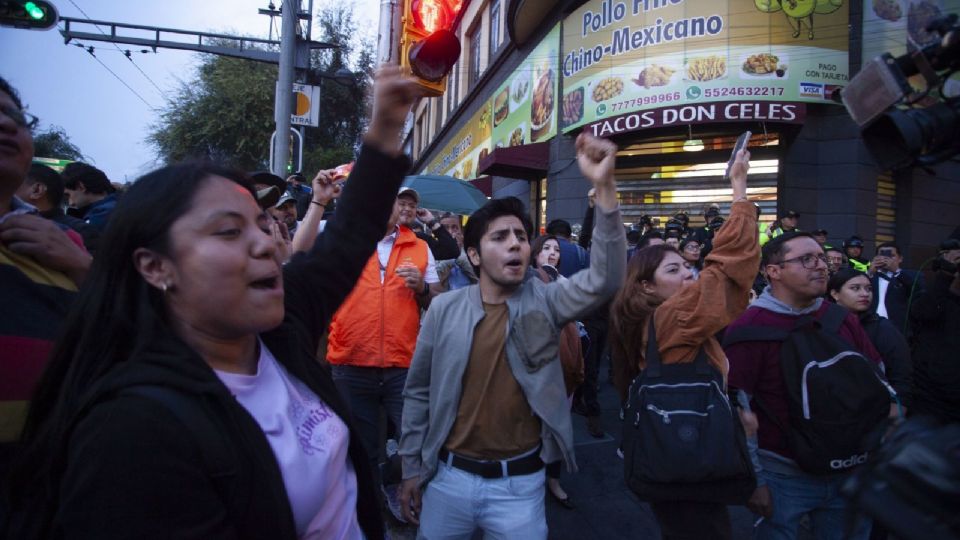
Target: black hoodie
<point>135,470</point>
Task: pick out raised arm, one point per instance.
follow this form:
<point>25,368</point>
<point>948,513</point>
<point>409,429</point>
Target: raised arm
<point>316,282</point>
<point>720,293</point>
<point>324,191</point>
<point>589,288</point>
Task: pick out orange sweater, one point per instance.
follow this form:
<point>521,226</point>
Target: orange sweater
<point>693,316</point>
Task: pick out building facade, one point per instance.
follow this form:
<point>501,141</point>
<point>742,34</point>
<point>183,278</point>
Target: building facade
<point>674,83</point>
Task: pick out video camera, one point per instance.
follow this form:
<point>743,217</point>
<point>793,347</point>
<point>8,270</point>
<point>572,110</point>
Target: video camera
<point>880,100</point>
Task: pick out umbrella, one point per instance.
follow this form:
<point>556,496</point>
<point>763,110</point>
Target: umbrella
<point>446,193</point>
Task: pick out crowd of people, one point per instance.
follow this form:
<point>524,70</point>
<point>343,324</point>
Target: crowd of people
<point>215,353</point>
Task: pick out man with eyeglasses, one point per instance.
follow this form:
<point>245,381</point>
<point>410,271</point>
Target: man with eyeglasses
<point>40,267</point>
<point>796,270</point>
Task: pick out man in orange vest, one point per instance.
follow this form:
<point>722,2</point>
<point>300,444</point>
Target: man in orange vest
<point>372,335</point>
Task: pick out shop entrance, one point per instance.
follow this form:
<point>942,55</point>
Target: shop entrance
<point>662,178</point>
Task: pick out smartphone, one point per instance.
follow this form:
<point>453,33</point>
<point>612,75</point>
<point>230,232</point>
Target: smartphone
<point>741,143</point>
<point>886,252</point>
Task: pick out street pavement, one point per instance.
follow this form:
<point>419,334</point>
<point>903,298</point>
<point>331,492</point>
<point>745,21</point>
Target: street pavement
<point>605,508</point>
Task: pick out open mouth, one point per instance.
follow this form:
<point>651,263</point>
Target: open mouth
<point>267,283</point>
<point>9,146</point>
<point>514,264</point>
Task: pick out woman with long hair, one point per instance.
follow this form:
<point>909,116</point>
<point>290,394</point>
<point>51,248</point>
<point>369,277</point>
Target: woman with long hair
<point>183,399</point>
<point>851,289</point>
<point>687,314</point>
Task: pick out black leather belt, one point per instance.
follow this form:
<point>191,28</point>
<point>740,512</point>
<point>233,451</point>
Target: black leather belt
<point>528,464</point>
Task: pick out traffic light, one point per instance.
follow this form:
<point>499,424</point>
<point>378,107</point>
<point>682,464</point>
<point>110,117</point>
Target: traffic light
<point>30,15</point>
<point>428,47</point>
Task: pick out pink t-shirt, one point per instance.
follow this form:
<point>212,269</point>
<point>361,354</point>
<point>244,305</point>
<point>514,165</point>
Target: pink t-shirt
<point>310,443</point>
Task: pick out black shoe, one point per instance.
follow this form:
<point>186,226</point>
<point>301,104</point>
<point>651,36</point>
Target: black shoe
<point>593,427</point>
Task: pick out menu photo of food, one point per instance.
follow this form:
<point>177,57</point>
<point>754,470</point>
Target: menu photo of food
<point>541,110</point>
<point>654,75</point>
<point>519,90</point>
<point>572,110</point>
<point>501,107</point>
<point>705,68</point>
<point>607,88</point>
<point>889,10</point>
<point>517,135</point>
<point>765,65</point>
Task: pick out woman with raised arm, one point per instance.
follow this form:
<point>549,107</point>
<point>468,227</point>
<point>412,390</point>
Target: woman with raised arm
<point>183,399</point>
<point>687,314</point>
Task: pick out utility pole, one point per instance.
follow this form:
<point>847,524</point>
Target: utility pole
<point>284,106</point>
<point>388,41</point>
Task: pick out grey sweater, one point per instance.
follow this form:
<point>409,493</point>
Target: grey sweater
<point>537,311</point>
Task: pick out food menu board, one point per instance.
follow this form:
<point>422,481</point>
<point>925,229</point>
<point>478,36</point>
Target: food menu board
<point>524,106</point>
<point>522,110</point>
<point>899,26</point>
<point>459,158</point>
<point>620,57</point>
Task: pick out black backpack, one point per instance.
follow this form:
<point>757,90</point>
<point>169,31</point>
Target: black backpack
<point>837,398</point>
<point>682,439</point>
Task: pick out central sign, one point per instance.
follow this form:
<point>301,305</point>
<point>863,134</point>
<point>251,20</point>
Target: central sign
<point>703,113</point>
<point>622,57</point>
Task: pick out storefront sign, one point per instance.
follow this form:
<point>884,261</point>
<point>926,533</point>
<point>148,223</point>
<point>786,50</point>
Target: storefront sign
<point>522,110</point>
<point>621,57</point>
<point>737,111</point>
<point>524,107</point>
<point>896,26</point>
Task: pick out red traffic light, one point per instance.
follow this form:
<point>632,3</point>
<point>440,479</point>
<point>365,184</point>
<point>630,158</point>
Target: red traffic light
<point>433,57</point>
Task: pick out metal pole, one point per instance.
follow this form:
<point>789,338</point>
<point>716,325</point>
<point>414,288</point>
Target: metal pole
<point>284,104</point>
<point>387,43</point>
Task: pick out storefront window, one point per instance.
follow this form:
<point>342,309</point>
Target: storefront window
<point>494,28</point>
<point>660,178</point>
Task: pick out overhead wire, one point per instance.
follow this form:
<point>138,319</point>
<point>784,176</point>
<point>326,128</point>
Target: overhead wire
<point>125,53</point>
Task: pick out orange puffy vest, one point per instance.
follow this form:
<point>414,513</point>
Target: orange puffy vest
<point>377,324</point>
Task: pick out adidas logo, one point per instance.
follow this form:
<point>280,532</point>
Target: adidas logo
<point>856,459</point>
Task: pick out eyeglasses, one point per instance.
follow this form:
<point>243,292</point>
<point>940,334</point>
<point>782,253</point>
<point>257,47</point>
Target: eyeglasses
<point>807,261</point>
<point>691,247</point>
<point>20,117</point>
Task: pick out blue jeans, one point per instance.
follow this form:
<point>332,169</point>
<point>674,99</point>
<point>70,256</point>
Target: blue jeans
<point>796,495</point>
<point>456,503</point>
<point>366,389</point>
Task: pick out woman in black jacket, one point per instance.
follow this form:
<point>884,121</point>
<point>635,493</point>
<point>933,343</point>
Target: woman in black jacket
<point>151,421</point>
<point>851,289</point>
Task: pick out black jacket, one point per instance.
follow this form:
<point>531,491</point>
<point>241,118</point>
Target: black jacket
<point>898,296</point>
<point>894,351</point>
<point>442,245</point>
<point>89,233</point>
<point>935,320</point>
<point>135,471</point>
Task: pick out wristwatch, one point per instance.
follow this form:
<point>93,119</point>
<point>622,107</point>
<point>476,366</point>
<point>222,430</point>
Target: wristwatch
<point>426,289</point>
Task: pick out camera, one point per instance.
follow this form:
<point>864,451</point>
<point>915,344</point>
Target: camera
<point>886,252</point>
<point>880,100</point>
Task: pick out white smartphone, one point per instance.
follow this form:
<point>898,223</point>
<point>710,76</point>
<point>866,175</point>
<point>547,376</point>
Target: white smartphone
<point>741,143</point>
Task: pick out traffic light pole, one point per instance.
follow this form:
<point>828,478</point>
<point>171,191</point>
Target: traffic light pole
<point>284,104</point>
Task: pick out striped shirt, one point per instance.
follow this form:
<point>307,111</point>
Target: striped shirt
<point>36,299</point>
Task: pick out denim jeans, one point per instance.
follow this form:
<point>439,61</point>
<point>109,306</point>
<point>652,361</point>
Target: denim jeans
<point>366,389</point>
<point>797,494</point>
<point>456,503</point>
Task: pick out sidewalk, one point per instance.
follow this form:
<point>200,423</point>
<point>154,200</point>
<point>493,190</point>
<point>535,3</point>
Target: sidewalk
<point>606,508</point>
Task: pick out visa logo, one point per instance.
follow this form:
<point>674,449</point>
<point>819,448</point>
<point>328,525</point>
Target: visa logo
<point>813,90</point>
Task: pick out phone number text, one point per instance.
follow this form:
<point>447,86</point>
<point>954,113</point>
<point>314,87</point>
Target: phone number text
<point>645,100</point>
<point>743,91</point>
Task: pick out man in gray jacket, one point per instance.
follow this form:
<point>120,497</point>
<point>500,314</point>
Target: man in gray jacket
<point>485,405</point>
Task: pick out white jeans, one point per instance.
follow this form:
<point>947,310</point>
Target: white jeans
<point>456,503</point>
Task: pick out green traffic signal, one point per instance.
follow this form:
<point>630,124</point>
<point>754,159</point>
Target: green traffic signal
<point>34,11</point>
<point>30,15</point>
